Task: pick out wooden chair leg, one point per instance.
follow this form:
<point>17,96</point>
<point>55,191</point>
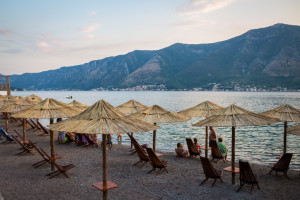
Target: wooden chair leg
<point>251,189</point>
<point>158,171</point>
<point>66,175</point>
<point>150,171</point>
<point>285,173</point>
<point>166,170</point>
<point>138,162</point>
<point>240,187</point>
<point>143,164</point>
<point>221,180</point>
<point>270,171</point>
<point>214,183</point>
<point>203,181</point>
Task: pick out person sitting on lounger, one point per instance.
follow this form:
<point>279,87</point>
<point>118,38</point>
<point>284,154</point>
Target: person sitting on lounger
<point>197,145</point>
<point>222,147</point>
<point>180,151</point>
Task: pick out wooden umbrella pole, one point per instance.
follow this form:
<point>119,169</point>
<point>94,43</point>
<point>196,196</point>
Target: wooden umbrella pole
<point>105,191</point>
<point>131,144</point>
<point>284,136</point>
<point>24,130</point>
<point>6,123</point>
<point>52,145</point>
<point>233,155</point>
<point>206,141</point>
<point>154,138</point>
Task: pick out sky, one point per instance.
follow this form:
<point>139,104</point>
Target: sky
<point>41,35</point>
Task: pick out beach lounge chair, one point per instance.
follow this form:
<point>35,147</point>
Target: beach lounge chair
<point>92,142</point>
<point>210,171</point>
<point>192,148</point>
<point>141,154</point>
<point>156,162</point>
<point>283,164</point>
<point>144,146</point>
<point>9,138</point>
<point>247,176</point>
<point>21,137</point>
<point>46,131</point>
<point>61,169</point>
<point>216,152</point>
<point>26,148</point>
<point>45,158</point>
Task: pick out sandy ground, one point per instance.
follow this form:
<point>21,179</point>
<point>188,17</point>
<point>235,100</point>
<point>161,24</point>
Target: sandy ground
<point>19,180</point>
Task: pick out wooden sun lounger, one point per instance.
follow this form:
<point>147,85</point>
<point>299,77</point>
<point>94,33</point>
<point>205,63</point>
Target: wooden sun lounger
<point>46,131</point>
<point>216,152</point>
<point>45,158</point>
<point>283,164</point>
<point>9,138</point>
<point>25,148</point>
<point>144,146</point>
<point>36,125</point>
<point>247,176</point>
<point>61,169</point>
<point>21,137</point>
<point>141,154</point>
<point>156,162</point>
<point>210,171</point>
<point>192,148</point>
<point>30,124</point>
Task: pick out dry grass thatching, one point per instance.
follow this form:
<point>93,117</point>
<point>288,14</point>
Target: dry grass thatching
<point>295,130</point>
<point>6,100</point>
<point>284,113</point>
<point>49,108</point>
<point>102,118</point>
<point>157,114</point>
<point>204,109</point>
<point>131,106</point>
<point>78,105</point>
<point>17,106</point>
<point>34,98</point>
<point>236,116</point>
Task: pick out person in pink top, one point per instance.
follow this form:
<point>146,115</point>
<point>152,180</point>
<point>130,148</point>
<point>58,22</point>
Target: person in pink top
<point>212,135</point>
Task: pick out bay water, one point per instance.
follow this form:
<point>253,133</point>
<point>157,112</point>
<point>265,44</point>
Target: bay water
<point>257,144</point>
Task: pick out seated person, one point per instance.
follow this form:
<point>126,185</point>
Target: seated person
<point>197,145</point>
<point>222,147</point>
<point>180,151</point>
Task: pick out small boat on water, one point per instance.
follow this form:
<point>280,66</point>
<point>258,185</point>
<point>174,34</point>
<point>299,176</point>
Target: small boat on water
<point>69,97</point>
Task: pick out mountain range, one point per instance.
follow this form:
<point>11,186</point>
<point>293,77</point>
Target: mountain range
<point>264,58</point>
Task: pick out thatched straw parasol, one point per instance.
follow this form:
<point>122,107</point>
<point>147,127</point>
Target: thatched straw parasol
<point>156,114</point>
<point>131,106</point>
<point>204,109</point>
<point>6,100</point>
<point>48,109</point>
<point>286,113</point>
<point>16,107</point>
<point>78,105</point>
<point>235,116</point>
<point>103,118</point>
<point>34,98</point>
<point>295,130</point>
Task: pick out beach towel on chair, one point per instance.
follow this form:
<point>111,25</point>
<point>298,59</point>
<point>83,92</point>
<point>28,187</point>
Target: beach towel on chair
<point>4,133</point>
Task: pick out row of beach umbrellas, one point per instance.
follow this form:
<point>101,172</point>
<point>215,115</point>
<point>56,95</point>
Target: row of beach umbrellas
<point>103,118</point>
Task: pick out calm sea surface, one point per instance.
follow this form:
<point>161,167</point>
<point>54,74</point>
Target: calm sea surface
<point>257,144</point>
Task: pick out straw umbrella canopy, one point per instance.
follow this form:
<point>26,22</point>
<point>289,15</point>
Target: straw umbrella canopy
<point>235,116</point>
<point>78,105</point>
<point>295,130</point>
<point>286,113</point>
<point>103,118</point>
<point>16,107</point>
<point>48,109</point>
<point>34,98</point>
<point>156,114</point>
<point>131,106</point>
<point>204,109</point>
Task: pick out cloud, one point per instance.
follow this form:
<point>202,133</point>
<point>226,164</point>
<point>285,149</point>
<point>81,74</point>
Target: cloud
<point>196,7</point>
<point>93,13</point>
<point>48,44</point>
<point>193,21</point>
<point>90,28</point>
<point>4,32</point>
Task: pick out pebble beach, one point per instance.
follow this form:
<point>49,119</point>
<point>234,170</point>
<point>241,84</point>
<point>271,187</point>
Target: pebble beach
<point>20,180</point>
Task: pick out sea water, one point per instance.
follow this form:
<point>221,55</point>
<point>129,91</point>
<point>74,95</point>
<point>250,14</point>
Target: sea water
<point>257,144</point>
